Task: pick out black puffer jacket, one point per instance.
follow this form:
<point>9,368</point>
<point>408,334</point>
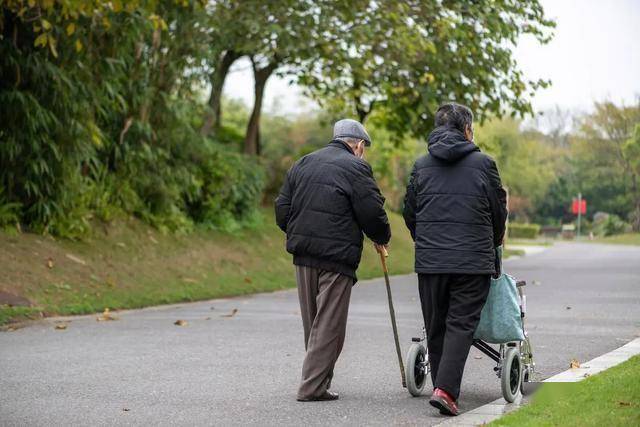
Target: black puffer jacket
<point>328,199</point>
<point>455,207</point>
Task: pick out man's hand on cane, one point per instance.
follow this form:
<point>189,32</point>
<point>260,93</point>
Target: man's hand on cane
<point>381,249</point>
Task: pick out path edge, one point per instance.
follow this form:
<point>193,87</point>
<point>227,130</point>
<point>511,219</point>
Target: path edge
<point>496,409</point>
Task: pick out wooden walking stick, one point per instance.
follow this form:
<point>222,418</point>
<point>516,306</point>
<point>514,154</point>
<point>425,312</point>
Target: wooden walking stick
<point>383,255</point>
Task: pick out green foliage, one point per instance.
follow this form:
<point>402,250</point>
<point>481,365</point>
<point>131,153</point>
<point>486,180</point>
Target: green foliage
<point>609,226</point>
<point>528,163</point>
<point>406,58</point>
<point>98,121</point>
<point>9,212</point>
<point>523,231</point>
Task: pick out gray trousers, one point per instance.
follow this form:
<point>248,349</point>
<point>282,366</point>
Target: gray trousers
<point>324,305</point>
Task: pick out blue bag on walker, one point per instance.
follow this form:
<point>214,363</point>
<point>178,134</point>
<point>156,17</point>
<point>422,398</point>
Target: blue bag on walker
<point>500,320</point>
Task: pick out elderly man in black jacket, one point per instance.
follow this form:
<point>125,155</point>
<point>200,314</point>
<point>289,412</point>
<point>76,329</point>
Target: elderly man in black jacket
<point>455,209</point>
<point>328,199</point>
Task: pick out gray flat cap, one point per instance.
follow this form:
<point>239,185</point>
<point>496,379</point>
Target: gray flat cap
<point>347,128</point>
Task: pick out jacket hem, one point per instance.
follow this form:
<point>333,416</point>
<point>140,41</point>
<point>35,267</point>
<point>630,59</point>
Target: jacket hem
<point>322,264</point>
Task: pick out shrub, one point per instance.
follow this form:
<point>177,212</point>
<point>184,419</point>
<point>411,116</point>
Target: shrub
<point>523,231</point>
<point>230,190</point>
<point>609,225</point>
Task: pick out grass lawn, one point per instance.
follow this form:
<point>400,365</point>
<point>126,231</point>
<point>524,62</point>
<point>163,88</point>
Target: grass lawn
<point>530,242</point>
<point>621,239</point>
<point>131,265</point>
<point>611,398</point>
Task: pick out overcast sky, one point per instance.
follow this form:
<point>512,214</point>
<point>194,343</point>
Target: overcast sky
<point>595,55</point>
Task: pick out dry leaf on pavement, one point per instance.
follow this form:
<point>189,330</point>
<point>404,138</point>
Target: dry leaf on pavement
<point>106,315</point>
<point>61,326</point>
<point>233,313</point>
<point>574,364</point>
<point>180,322</point>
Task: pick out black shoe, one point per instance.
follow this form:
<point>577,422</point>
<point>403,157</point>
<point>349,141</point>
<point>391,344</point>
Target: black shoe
<point>327,395</point>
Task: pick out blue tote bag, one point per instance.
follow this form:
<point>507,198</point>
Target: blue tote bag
<point>500,320</point>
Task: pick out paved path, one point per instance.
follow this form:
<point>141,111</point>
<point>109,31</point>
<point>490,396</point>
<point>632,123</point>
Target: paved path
<point>584,300</point>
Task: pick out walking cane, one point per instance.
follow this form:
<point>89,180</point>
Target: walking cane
<point>383,255</point>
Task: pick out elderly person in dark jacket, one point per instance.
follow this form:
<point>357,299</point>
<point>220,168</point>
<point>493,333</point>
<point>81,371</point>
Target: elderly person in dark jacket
<point>328,199</point>
<point>455,209</point>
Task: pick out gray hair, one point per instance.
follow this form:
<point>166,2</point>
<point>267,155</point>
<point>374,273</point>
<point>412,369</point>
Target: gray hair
<point>350,141</point>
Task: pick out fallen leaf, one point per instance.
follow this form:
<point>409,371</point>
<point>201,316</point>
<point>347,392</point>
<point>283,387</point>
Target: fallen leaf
<point>122,245</point>
<point>50,263</point>
<point>61,326</point>
<point>76,259</point>
<point>574,364</point>
<point>106,315</point>
<point>233,313</point>
<point>180,322</point>
<point>248,280</point>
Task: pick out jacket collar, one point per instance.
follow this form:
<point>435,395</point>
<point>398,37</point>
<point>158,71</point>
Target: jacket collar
<point>341,144</point>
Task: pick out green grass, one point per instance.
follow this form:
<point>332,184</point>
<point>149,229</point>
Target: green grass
<point>621,239</point>
<point>530,242</point>
<point>130,265</point>
<point>611,398</point>
<point>513,252</point>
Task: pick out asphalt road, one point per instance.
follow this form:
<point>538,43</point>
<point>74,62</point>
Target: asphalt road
<point>583,301</point>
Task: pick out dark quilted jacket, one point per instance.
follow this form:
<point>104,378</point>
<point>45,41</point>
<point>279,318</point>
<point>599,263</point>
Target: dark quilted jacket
<point>328,199</point>
<point>455,207</point>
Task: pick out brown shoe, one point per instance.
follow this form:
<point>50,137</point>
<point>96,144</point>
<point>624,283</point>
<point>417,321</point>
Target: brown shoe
<point>444,402</point>
<point>327,395</point>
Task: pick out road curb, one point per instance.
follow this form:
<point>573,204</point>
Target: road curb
<point>494,410</point>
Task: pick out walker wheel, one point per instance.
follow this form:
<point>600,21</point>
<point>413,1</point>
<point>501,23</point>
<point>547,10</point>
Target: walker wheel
<point>416,369</point>
<point>511,374</point>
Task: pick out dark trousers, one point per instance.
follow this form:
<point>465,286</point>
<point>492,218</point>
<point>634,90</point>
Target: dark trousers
<point>324,305</point>
<point>451,306</point>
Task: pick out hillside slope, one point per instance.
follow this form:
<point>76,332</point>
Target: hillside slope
<point>131,265</point>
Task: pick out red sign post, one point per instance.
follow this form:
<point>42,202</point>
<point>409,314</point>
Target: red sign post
<point>579,207</point>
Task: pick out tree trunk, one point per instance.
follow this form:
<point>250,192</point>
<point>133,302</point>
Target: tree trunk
<point>362,114</point>
<point>252,137</point>
<point>212,117</point>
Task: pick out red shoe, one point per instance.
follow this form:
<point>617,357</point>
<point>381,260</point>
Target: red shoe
<point>442,400</point>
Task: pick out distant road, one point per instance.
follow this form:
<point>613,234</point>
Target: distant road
<point>583,301</point>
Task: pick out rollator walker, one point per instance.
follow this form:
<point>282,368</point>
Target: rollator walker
<point>514,360</point>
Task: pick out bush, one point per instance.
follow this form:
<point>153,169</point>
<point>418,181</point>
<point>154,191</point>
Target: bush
<point>608,225</point>
<point>523,231</point>
<point>231,186</point>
